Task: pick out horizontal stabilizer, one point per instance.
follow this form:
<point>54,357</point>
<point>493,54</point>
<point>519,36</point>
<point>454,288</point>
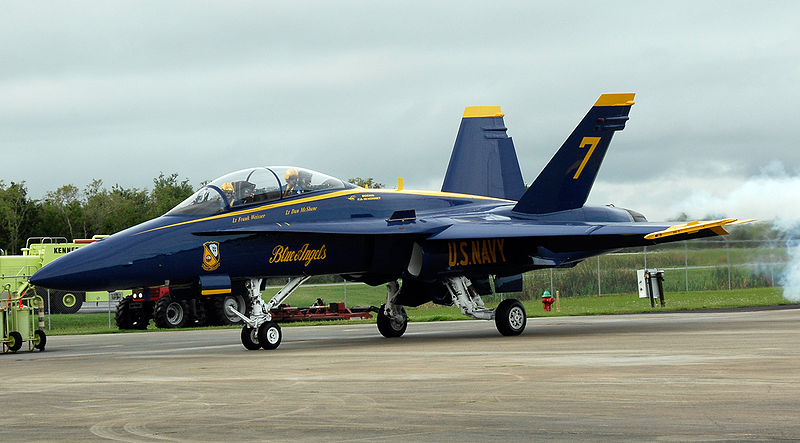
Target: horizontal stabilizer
<point>696,226</point>
<point>484,161</point>
<point>567,179</point>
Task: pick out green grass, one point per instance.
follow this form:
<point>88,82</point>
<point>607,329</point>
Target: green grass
<point>64,324</point>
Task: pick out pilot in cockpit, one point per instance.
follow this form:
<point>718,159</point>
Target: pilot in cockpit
<point>227,188</point>
<point>293,186</point>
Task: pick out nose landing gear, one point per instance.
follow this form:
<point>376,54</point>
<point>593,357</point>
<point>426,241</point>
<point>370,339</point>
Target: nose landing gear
<point>259,330</point>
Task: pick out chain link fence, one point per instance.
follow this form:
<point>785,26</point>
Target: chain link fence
<point>694,265</point>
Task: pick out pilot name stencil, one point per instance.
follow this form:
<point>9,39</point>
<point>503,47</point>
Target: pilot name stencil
<point>476,252</point>
<point>284,254</point>
<point>302,210</point>
<point>247,218</point>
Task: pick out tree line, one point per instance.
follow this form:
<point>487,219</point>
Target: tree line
<point>80,213</point>
<point>72,212</point>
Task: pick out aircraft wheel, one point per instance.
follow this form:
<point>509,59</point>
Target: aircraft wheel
<point>170,313</point>
<point>222,315</point>
<point>14,341</point>
<point>269,335</point>
<point>66,302</point>
<point>510,317</point>
<point>39,339</point>
<point>392,327</point>
<point>250,338</point>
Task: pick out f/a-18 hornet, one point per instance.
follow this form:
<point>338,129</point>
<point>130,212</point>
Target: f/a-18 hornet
<point>443,246</point>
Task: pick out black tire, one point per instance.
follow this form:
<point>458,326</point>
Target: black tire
<point>220,313</point>
<point>128,317</point>
<point>250,338</point>
<point>169,313</point>
<point>14,341</point>
<point>510,317</point>
<point>389,327</point>
<point>269,335</point>
<point>64,302</point>
<point>39,339</point>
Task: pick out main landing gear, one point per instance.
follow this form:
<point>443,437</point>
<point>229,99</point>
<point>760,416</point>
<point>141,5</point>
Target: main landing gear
<point>259,330</point>
<point>509,317</point>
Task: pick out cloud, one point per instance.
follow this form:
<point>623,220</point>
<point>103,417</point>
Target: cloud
<point>377,89</point>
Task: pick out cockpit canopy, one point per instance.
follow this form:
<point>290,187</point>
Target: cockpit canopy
<point>256,185</point>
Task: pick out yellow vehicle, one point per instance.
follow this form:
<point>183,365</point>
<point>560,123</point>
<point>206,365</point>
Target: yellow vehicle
<point>39,251</point>
<point>18,320</point>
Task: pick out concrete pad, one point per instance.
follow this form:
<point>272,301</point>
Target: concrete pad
<point>686,376</point>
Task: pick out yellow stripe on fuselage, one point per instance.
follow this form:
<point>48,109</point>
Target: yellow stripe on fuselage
<point>335,194</point>
<point>439,194</point>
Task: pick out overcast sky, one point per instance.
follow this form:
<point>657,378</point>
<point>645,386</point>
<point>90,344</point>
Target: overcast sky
<point>121,91</point>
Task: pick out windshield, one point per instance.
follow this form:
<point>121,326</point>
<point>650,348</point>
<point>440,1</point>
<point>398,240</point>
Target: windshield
<point>296,181</point>
<point>207,200</point>
<point>256,185</point>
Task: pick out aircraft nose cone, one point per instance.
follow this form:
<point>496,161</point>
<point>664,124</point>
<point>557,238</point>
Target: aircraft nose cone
<point>63,273</point>
<point>85,269</point>
<point>54,278</point>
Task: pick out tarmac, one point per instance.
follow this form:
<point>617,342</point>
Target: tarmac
<point>656,377</point>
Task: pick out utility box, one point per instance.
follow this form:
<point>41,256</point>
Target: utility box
<point>651,285</point>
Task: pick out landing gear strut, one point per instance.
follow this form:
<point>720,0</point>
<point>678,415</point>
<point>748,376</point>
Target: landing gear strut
<point>392,318</point>
<point>509,317</point>
<point>259,330</point>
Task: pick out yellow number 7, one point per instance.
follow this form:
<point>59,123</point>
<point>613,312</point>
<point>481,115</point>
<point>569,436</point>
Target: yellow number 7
<point>592,142</point>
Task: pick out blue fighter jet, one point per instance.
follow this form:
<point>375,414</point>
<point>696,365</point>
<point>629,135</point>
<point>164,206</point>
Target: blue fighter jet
<point>445,247</point>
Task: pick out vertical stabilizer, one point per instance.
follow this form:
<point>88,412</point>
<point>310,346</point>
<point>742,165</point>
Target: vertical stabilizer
<point>567,179</point>
<point>484,161</point>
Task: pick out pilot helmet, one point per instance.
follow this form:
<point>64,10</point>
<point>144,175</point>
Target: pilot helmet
<point>227,187</point>
<point>546,294</point>
<point>291,172</point>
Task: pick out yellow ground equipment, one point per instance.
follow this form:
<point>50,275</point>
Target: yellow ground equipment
<point>19,314</point>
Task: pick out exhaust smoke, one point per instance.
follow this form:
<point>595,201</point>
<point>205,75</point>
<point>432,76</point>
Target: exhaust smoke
<point>773,196</point>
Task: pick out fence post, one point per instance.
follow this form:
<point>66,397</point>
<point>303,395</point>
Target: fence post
<point>598,276</point>
<point>771,266</point>
<point>551,280</point>
<point>728,254</point>
<point>644,249</point>
<point>49,311</point>
<point>686,262</point>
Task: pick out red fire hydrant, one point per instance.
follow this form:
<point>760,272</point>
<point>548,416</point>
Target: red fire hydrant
<point>547,300</point>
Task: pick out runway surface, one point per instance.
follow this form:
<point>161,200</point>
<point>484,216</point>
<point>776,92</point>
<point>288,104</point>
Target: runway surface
<point>682,376</point>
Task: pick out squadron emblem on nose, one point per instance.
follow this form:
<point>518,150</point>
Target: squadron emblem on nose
<point>210,255</point>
